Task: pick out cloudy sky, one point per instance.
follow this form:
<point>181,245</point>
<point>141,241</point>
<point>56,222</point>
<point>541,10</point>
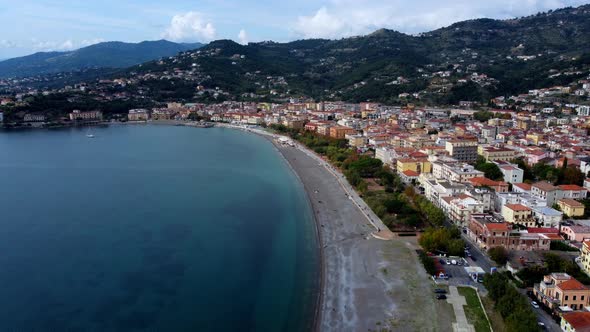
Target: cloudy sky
<point>28,26</point>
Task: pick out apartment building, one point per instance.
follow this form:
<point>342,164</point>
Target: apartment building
<point>464,150</point>
<point>546,191</point>
<point>562,290</point>
<point>571,207</point>
<point>138,115</point>
<point>487,232</point>
<point>77,115</point>
<point>518,214</point>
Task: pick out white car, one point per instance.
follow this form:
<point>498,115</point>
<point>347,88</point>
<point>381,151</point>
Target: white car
<point>454,262</point>
<point>535,305</point>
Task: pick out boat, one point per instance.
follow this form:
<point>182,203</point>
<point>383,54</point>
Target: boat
<point>89,135</point>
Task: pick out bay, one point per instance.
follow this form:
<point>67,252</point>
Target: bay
<point>155,228</point>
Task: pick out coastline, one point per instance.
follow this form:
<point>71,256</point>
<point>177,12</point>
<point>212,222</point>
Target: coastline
<point>370,279</point>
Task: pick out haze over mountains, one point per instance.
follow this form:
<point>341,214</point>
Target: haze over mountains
<point>101,55</point>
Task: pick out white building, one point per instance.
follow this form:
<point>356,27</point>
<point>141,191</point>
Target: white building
<point>385,154</point>
<point>512,174</point>
<point>583,110</point>
<point>547,216</point>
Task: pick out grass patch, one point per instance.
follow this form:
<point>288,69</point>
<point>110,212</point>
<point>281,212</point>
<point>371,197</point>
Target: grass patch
<point>473,310</point>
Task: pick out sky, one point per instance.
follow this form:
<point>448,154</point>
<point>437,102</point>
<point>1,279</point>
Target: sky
<point>29,26</point>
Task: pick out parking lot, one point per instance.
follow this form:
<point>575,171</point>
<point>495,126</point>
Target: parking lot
<point>458,276</point>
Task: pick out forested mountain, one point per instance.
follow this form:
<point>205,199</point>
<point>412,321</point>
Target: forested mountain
<point>101,55</point>
<point>470,60</point>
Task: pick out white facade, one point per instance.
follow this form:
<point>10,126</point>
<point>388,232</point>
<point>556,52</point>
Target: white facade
<point>583,110</point>
<point>512,174</point>
<point>547,216</point>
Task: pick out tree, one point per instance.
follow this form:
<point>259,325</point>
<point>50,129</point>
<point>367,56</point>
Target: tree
<point>491,170</point>
<point>498,255</point>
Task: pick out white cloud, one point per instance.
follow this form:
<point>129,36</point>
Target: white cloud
<point>343,18</point>
<point>49,45</point>
<point>190,26</point>
<point>243,37</point>
<point>88,42</point>
<point>7,44</point>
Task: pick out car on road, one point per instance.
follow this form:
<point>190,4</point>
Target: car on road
<point>440,291</point>
<point>448,261</point>
<point>454,262</point>
<point>467,253</point>
<point>541,325</point>
<point>442,261</point>
<point>535,304</point>
<point>441,297</point>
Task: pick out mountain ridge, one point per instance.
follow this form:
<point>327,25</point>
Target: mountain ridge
<point>111,54</point>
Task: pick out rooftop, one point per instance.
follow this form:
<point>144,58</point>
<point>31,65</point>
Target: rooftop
<point>579,320</point>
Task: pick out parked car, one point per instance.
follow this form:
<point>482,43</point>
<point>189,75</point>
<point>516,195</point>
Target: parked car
<point>442,261</point>
<point>448,261</point>
<point>440,291</point>
<point>535,304</point>
<point>454,262</point>
<point>441,297</point>
<point>467,253</point>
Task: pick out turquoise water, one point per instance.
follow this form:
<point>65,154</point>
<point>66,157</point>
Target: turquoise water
<point>154,228</point>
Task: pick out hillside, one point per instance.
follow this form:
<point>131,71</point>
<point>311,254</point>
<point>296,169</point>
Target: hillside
<point>101,55</point>
<point>470,60</point>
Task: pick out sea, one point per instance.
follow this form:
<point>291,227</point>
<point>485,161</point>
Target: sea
<point>153,228</point>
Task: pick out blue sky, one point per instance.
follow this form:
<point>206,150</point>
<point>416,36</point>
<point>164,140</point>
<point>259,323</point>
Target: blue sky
<point>28,26</point>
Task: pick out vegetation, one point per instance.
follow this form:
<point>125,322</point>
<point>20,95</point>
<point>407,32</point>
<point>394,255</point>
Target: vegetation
<point>473,310</point>
<point>553,263</point>
<point>447,240</point>
<point>561,246</point>
<point>499,255</point>
<point>512,306</point>
<point>491,170</point>
<point>544,172</point>
<point>428,262</point>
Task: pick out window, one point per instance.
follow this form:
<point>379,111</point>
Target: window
<point>574,297</point>
<point>566,297</point>
<point>582,298</point>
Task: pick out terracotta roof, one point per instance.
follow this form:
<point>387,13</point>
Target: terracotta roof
<point>571,187</point>
<point>571,202</point>
<point>497,226</point>
<point>410,173</point>
<point>580,320</point>
<point>544,186</point>
<point>543,230</point>
<point>517,207</point>
<point>572,284</point>
<point>523,186</point>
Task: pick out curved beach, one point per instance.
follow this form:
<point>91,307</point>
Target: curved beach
<point>367,283</point>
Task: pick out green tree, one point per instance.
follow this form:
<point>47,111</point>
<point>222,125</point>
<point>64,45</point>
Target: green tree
<point>498,255</point>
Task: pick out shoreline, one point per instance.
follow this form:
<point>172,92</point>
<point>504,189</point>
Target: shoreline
<point>365,283</point>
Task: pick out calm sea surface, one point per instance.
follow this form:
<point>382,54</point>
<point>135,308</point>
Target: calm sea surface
<point>154,228</point>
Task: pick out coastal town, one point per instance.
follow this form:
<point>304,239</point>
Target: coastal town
<point>513,178</point>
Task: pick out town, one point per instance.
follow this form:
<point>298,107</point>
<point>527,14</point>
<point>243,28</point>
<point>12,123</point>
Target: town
<point>512,177</point>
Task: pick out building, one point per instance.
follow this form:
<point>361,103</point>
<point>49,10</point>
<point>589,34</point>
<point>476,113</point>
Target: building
<point>409,177</point>
<point>163,114</point>
<point>498,186</point>
<point>487,232</point>
<point>455,172</point>
<point>1,117</point>
<point>340,132</point>
<point>547,217</point>
<point>578,233</point>
<point>464,150</point>
<point>561,290</point>
<point>462,207</point>
<point>518,214</point>
<point>585,257</point>
<point>356,140</point>
<point>421,165</point>
<point>138,115</point>
<point>512,173</point>
<point>546,191</point>
<point>570,207</point>
<point>34,118</point>
<point>573,191</point>
<point>76,115</point>
<point>496,154</point>
<point>578,321</point>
